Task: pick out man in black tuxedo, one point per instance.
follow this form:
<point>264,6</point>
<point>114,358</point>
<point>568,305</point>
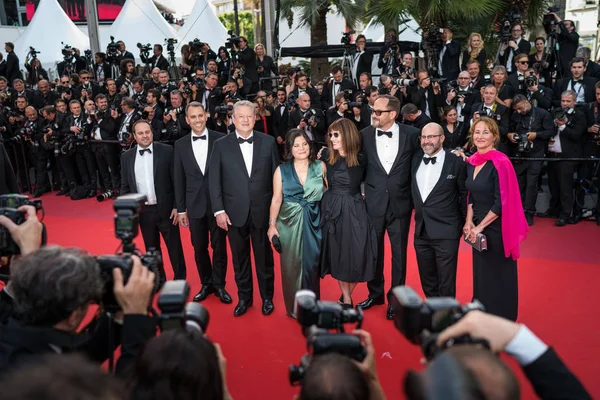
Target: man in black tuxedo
<point>124,54</point>
<point>148,169</point>
<point>12,63</point>
<point>426,96</point>
<point>538,94</point>
<point>568,40</point>
<point>440,198</point>
<point>104,127</point>
<point>210,96</point>
<point>247,57</point>
<point>333,86</point>
<point>516,45</point>
<point>311,120</point>
<point>241,185</point>
<point>496,111</point>
<point>8,180</point>
<point>192,158</point>
<point>301,86</point>
<point>567,142</point>
<point>582,86</point>
<point>157,60</point>
<point>388,148</point>
<point>362,59</point>
<point>449,65</point>
<point>280,117</point>
<point>414,117</point>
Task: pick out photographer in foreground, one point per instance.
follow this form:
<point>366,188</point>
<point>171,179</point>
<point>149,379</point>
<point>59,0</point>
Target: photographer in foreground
<point>52,289</point>
<point>551,379</point>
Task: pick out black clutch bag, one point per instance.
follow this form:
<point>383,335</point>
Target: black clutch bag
<point>480,243</point>
<point>276,243</point>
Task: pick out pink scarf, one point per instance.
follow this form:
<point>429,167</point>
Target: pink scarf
<point>514,225</point>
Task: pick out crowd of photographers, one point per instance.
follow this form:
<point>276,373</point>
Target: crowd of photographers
<point>71,132</point>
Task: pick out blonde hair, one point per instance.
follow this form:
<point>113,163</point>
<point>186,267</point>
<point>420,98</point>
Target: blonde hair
<point>474,52</point>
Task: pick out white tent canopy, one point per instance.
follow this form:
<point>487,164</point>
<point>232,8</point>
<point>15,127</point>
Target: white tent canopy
<point>180,8</point>
<point>409,31</point>
<point>139,22</point>
<point>49,27</point>
<point>204,25</point>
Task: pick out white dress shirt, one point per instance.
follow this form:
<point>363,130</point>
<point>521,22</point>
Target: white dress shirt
<point>387,148</point>
<point>428,175</point>
<point>511,54</point>
<point>247,150</point>
<point>579,90</point>
<point>525,347</point>
<point>554,146</point>
<point>144,174</point>
<point>200,149</point>
<point>125,124</point>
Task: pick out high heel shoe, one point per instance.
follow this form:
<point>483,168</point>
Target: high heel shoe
<point>348,306</point>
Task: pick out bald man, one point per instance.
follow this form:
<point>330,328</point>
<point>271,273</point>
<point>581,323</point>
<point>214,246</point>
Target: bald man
<point>440,198</point>
<point>310,119</point>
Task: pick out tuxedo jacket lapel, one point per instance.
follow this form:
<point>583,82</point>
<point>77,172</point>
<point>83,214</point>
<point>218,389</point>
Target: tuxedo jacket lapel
<point>401,145</point>
<point>256,151</point>
<point>131,169</point>
<point>448,163</point>
<point>375,154</point>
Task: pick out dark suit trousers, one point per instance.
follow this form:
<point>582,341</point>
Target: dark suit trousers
<point>107,157</point>
<point>437,260</point>
<point>239,239</point>
<point>397,229</point>
<point>211,274</point>
<point>153,225</point>
<point>86,163</point>
<point>528,173</point>
<point>560,183</point>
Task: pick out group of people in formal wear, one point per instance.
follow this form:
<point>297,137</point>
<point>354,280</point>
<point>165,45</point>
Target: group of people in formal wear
<point>327,212</point>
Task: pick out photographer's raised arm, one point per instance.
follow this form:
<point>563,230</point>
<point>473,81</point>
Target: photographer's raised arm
<point>28,235</point>
<point>549,376</point>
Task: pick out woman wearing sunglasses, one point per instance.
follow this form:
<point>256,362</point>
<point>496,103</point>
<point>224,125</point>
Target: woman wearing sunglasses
<point>349,244</point>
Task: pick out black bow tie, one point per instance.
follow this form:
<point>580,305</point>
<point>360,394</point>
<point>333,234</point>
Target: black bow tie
<point>576,81</point>
<point>142,151</point>
<point>249,140</point>
<point>427,159</point>
<point>203,137</point>
<point>337,83</point>
<point>380,132</point>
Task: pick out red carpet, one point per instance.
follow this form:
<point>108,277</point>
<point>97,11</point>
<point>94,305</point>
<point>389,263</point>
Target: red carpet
<point>559,297</point>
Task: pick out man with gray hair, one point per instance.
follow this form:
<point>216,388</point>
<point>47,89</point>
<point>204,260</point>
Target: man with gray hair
<point>240,180</point>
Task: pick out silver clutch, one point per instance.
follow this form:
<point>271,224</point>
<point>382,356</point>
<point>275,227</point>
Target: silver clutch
<point>480,243</point>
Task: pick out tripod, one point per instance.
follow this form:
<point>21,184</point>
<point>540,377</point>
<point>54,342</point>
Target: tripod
<point>347,63</point>
<point>551,53</point>
<point>174,71</point>
<point>115,71</point>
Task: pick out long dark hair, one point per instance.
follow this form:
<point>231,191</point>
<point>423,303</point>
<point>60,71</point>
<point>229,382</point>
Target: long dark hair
<point>351,142</point>
<point>177,365</point>
<point>290,138</point>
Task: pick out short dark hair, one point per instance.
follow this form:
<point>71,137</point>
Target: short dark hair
<point>335,69</point>
<point>370,90</point>
<point>159,47</point>
<point>154,93</point>
<point>334,377</point>
<point>61,376</point>
<point>393,103</point>
<point>139,122</point>
<point>367,74</point>
<point>137,79</point>
<point>11,45</point>
<point>290,138</point>
<point>129,102</point>
<point>518,99</point>
<point>178,364</point>
<point>577,60</point>
<point>100,97</point>
<point>51,283</point>
<point>48,110</point>
<point>409,109</point>
<point>195,104</point>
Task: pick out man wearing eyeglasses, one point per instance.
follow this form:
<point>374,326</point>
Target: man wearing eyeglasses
<point>516,45</point>
<point>518,76</point>
<point>388,148</point>
<point>440,198</point>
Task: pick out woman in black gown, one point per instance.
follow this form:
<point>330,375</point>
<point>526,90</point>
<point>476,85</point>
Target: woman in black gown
<point>349,244</point>
<point>454,131</point>
<point>499,217</point>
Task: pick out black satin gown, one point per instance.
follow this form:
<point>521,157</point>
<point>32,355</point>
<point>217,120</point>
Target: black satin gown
<point>349,245</point>
<point>495,282</point>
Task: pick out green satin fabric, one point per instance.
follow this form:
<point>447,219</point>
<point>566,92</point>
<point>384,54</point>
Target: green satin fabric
<point>299,233</point>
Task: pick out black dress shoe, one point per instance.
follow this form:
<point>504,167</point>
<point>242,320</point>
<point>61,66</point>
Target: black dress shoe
<point>223,296</point>
<point>560,222</point>
<point>529,218</point>
<point>368,303</point>
<point>268,307</point>
<point>242,307</point>
<point>204,292</point>
<point>62,192</point>
<point>547,214</point>
<point>390,313</point>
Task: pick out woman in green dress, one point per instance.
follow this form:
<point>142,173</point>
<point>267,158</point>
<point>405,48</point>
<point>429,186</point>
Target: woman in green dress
<point>298,186</point>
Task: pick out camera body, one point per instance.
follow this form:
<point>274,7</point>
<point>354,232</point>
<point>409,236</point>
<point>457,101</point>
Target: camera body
<point>530,81</point>
<point>68,53</point>
<point>33,52</point>
<point>523,145</point>
<point>309,116</point>
<point>176,312</point>
<point>232,40</point>
<point>563,114</point>
<point>318,319</point>
<point>170,42</point>
<point>510,18</point>
<point>549,22</point>
<point>9,204</point>
<point>346,39</point>
<point>421,321</point>
<point>112,51</point>
<point>127,209</point>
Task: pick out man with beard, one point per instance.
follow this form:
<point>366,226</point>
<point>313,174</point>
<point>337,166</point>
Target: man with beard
<point>440,198</point>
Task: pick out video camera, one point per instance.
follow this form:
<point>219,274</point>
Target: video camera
<point>68,52</point>
<point>144,48</point>
<point>318,319</point>
<point>33,52</point>
<point>223,110</point>
<point>170,42</point>
<point>112,51</point>
<point>195,46</point>
<point>9,204</point>
<point>510,18</point>
<point>126,229</point>
<point>421,321</point>
<point>232,40</point>
<point>176,312</point>
<point>549,22</point>
<point>346,38</point>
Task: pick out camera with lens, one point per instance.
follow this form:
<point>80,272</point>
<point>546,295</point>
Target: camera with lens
<point>309,116</point>
<point>144,48</point>
<point>530,81</point>
<point>523,145</point>
<point>33,52</point>
<point>195,46</point>
<point>112,51</point>
<point>322,324</point>
<point>405,82</point>
<point>68,52</point>
<point>176,312</point>
<point>232,40</point>
<point>562,114</point>
<point>127,210</point>
<point>171,42</point>
<point>223,109</point>
<point>421,321</point>
<point>9,204</point>
<point>346,38</point>
<point>549,22</point>
<point>510,18</point>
